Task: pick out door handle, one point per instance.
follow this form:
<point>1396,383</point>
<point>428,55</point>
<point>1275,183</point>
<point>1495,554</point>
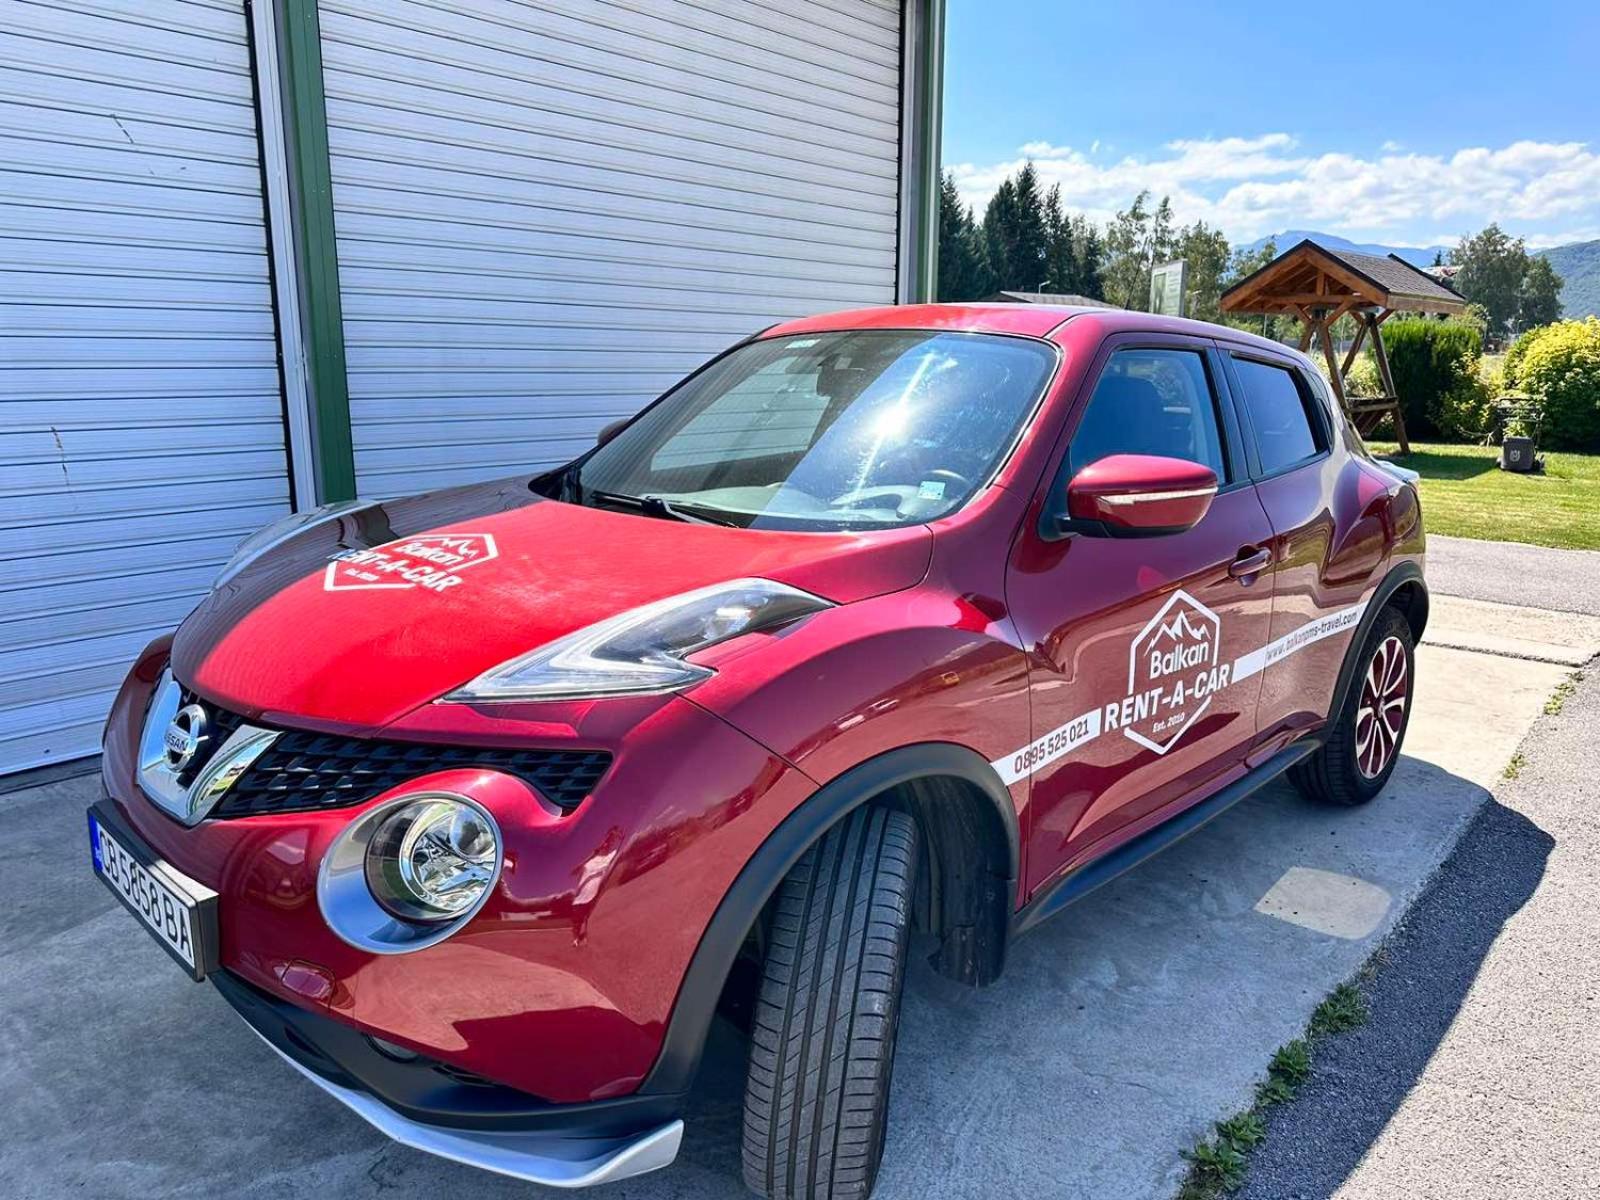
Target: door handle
<point>1251,561</point>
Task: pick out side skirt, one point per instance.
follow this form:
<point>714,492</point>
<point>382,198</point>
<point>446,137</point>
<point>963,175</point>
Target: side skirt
<point>1074,887</point>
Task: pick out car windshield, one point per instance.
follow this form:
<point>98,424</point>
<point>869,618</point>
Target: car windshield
<point>860,429</point>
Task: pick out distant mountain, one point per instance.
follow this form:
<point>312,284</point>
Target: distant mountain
<point>1417,256</point>
<point>1578,264</point>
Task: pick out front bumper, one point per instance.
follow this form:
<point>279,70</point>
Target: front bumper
<point>425,1105</point>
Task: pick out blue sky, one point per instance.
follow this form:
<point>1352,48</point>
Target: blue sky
<point>1260,118</point>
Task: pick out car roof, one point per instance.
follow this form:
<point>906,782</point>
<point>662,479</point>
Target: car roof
<point>1029,320</point>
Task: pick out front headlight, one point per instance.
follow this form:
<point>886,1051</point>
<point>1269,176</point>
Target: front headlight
<point>408,874</point>
<point>271,536</point>
<point>643,650</point>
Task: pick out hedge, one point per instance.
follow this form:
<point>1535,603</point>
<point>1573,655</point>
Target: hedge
<point>1435,367</point>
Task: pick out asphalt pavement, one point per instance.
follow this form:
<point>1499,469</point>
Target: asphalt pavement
<point>1477,1076</point>
<point>1513,573</point>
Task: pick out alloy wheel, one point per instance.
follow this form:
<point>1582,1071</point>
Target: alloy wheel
<point>1382,712</point>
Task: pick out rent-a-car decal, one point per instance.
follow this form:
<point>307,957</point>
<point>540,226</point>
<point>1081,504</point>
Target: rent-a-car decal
<point>1173,673</point>
<point>432,561</point>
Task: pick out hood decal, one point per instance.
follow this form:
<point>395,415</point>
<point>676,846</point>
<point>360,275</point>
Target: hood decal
<point>431,561</point>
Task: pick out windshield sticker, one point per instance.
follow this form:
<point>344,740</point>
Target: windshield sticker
<point>1173,674</point>
<point>431,561</point>
<point>931,489</point>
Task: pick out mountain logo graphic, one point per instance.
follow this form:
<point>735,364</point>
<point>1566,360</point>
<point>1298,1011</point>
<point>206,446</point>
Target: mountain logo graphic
<point>1173,672</point>
<point>1181,629</point>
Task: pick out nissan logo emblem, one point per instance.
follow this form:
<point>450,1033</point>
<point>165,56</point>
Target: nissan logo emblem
<point>184,736</point>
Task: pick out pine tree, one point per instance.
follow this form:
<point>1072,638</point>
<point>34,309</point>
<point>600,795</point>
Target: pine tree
<point>963,262</point>
<point>1014,233</point>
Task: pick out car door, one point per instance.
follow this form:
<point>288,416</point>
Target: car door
<point>1132,640</point>
<point>1326,545</point>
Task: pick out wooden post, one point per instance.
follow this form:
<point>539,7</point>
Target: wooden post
<point>1325,335</point>
<point>1355,346</point>
<point>1382,355</point>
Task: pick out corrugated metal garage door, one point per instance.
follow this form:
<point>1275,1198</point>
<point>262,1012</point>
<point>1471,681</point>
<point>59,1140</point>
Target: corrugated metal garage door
<point>549,211</point>
<point>141,427</point>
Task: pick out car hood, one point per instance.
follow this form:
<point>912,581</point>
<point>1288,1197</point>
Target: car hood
<point>358,619</point>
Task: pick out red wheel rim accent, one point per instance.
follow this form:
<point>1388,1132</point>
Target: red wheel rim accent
<point>1381,714</point>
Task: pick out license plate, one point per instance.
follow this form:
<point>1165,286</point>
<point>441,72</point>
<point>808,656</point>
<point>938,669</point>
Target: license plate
<point>179,913</point>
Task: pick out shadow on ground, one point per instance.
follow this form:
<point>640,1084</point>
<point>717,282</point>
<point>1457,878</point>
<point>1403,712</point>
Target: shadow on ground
<point>1120,1031</point>
<point>1426,969</point>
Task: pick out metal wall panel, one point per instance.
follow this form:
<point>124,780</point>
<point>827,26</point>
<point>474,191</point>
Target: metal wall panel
<point>141,421</point>
<point>547,212</point>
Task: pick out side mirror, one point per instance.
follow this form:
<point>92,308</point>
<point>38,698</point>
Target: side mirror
<point>1137,495</point>
<point>611,431</point>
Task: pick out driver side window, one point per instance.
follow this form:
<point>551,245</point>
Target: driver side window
<point>1150,401</point>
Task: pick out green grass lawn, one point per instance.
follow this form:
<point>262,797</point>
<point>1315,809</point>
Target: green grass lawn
<point>1464,494</point>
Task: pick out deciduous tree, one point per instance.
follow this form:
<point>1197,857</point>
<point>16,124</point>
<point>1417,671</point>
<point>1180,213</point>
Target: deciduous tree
<point>1492,266</point>
<point>1206,251</point>
<point>1540,300</point>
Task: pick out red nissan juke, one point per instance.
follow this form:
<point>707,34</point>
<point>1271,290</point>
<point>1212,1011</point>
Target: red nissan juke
<point>478,805</point>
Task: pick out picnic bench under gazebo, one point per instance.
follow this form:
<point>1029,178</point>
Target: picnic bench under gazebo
<point>1319,285</point>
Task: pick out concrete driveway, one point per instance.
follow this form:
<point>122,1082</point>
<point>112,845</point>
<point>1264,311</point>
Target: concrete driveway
<point>1120,1032</point>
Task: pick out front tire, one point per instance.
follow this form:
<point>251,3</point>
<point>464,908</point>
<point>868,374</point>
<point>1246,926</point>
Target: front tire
<point>1363,746</point>
<point>822,1041</point>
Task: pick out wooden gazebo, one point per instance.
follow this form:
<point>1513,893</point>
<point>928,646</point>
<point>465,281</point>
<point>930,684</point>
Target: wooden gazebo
<point>1319,286</point>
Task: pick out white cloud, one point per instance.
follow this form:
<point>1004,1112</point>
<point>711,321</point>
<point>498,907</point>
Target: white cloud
<point>1257,185</point>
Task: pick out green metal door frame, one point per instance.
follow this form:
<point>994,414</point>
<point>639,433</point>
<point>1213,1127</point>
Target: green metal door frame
<point>928,113</point>
<point>921,119</point>
<point>310,223</point>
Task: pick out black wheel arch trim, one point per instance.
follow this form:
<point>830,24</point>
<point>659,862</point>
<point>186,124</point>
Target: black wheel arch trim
<point>1399,576</point>
<point>692,1012</point>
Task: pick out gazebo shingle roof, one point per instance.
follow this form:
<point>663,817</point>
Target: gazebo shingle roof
<point>1384,281</point>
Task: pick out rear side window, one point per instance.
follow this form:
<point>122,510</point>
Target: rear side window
<point>1150,401</point>
<point>1280,413</point>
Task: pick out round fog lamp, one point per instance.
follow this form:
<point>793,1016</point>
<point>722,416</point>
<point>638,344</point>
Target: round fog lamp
<point>409,873</point>
<point>431,860</point>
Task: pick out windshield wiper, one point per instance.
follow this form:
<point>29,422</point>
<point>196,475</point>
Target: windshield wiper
<point>659,506</point>
<point>698,514</point>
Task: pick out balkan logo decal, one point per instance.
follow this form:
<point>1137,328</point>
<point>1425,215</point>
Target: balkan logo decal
<point>432,561</point>
<point>1173,672</point>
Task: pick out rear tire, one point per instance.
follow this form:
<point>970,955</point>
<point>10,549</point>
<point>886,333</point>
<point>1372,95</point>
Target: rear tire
<point>1364,743</point>
<point>822,1042</point>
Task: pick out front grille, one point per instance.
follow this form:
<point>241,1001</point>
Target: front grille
<point>305,772</point>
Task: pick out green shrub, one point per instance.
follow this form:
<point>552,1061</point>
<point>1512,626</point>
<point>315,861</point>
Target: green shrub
<point>1363,381</point>
<point>1560,366</point>
<point>1465,413</point>
<point>1435,367</point>
<point>1513,357</point>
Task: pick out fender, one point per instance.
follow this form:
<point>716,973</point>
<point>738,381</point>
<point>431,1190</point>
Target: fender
<point>1408,572</point>
<point>696,1004</point>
